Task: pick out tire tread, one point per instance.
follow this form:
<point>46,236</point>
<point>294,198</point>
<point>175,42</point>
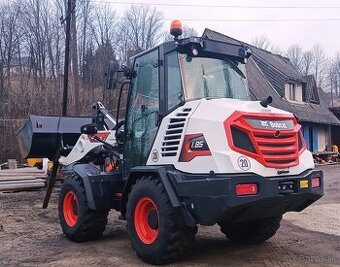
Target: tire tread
<point>181,239</point>
<point>92,225</point>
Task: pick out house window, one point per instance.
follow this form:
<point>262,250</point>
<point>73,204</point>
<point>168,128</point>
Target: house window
<point>291,91</point>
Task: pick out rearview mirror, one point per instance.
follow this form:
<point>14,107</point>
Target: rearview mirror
<point>112,77</point>
<point>90,128</point>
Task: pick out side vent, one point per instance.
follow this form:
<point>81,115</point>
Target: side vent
<point>173,134</point>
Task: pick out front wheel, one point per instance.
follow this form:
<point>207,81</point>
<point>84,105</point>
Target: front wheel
<point>152,224</point>
<point>251,232</point>
<point>77,221</point>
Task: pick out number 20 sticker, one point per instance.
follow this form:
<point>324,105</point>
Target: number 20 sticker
<point>244,163</point>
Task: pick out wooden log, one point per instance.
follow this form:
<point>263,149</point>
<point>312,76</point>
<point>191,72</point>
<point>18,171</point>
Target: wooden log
<point>23,174</point>
<point>22,181</point>
<point>19,187</point>
<point>19,178</point>
<point>28,169</point>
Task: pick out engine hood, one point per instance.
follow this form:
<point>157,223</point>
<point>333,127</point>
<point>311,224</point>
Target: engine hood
<point>223,107</point>
<point>210,122</point>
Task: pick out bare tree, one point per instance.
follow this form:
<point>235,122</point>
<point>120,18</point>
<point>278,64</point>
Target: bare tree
<point>311,62</point>
<point>141,28</point>
<point>2,53</point>
<point>188,32</point>
<point>104,25</point>
<point>74,58</point>
<point>276,50</point>
<point>8,32</point>
<point>295,55</point>
<point>104,31</point>
<point>334,76</point>
<point>307,62</point>
<point>319,64</point>
<point>84,19</point>
<point>261,41</point>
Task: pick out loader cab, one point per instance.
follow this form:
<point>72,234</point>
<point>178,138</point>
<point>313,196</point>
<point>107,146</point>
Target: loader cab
<point>165,77</point>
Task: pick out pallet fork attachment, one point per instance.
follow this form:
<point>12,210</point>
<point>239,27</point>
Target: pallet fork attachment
<point>50,183</point>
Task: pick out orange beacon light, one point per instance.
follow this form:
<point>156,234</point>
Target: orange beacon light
<point>176,28</point>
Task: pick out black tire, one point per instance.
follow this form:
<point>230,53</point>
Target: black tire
<point>173,240</point>
<point>251,232</point>
<point>89,224</point>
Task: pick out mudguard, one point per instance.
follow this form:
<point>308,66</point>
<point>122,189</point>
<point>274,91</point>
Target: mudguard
<point>161,172</point>
<point>99,187</point>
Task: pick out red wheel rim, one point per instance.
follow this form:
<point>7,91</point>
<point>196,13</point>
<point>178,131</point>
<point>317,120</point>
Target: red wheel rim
<point>145,209</point>
<point>70,209</point>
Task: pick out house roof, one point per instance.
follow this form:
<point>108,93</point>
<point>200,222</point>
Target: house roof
<point>312,91</point>
<point>268,73</point>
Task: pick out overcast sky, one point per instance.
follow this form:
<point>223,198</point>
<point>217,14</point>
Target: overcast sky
<point>325,31</point>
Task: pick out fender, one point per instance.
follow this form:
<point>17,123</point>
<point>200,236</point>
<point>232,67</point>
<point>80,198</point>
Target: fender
<point>161,172</point>
<point>99,187</point>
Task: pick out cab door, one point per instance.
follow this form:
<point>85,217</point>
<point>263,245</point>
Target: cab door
<point>142,111</point>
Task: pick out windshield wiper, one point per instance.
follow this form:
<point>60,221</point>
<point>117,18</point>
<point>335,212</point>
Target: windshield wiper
<point>234,66</point>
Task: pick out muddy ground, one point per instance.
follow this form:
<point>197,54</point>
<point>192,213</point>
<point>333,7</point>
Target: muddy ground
<point>30,236</point>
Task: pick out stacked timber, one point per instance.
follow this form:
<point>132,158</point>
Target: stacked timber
<point>22,179</point>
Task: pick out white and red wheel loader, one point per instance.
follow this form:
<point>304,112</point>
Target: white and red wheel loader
<point>192,150</point>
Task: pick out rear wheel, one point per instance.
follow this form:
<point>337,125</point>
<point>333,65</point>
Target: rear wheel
<point>77,221</point>
<point>251,232</point>
<point>154,232</point>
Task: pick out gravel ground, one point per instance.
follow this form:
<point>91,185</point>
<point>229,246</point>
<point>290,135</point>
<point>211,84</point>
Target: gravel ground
<point>31,236</point>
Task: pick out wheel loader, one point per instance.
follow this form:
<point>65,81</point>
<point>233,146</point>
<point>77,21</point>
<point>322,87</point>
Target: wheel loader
<point>192,150</point>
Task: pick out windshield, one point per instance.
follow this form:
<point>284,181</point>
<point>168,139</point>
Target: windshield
<point>212,78</point>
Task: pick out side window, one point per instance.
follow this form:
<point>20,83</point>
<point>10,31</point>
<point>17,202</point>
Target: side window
<point>173,80</point>
<point>142,112</point>
<point>145,89</point>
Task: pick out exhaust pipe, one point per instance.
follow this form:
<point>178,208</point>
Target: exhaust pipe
<point>266,101</point>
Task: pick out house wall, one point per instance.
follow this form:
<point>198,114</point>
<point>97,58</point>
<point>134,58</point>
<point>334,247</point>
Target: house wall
<point>317,136</point>
<point>321,139</point>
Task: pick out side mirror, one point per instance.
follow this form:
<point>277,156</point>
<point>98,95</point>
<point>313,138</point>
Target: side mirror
<point>112,75</point>
<point>90,128</point>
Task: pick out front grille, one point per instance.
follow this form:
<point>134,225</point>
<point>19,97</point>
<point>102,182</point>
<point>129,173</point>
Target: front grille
<point>281,150</point>
<point>174,133</point>
<point>271,147</point>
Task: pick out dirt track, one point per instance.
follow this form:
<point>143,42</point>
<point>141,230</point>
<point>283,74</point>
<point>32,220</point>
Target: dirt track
<point>32,236</point>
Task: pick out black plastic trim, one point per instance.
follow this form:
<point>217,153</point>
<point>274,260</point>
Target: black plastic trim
<point>99,187</point>
<point>211,198</point>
